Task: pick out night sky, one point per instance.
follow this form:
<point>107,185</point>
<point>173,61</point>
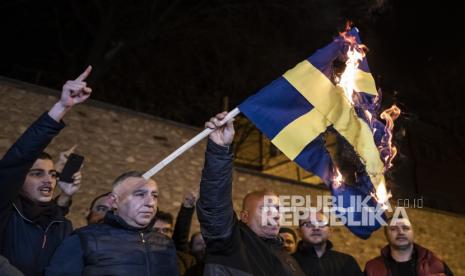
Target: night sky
<point>180,59</point>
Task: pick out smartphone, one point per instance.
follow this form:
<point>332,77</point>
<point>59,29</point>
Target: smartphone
<point>72,166</point>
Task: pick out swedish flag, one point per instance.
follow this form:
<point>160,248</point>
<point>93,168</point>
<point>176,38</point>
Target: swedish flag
<point>295,110</point>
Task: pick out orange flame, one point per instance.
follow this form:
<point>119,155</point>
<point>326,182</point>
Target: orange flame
<point>382,196</point>
<point>390,115</point>
<point>347,81</point>
<point>337,179</point>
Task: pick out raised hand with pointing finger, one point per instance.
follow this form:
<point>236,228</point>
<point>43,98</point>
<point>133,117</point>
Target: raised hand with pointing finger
<point>73,92</point>
<point>76,91</point>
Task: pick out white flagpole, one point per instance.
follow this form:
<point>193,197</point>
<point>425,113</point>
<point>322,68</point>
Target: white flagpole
<point>233,113</point>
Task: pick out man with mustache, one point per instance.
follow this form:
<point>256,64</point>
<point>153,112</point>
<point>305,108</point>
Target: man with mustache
<point>404,257</point>
<point>315,252</point>
<point>32,224</point>
<point>252,245</point>
<point>124,243</point>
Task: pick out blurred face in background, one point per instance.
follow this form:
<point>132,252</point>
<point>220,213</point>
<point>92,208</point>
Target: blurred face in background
<point>315,229</point>
<point>99,209</point>
<point>164,228</point>
<point>290,244</point>
<point>399,234</point>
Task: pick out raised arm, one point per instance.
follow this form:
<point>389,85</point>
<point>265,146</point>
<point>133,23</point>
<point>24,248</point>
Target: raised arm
<point>73,92</point>
<point>214,207</point>
<point>183,222</point>
<point>22,154</point>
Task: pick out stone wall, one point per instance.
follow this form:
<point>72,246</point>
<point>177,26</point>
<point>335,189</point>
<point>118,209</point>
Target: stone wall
<point>115,140</point>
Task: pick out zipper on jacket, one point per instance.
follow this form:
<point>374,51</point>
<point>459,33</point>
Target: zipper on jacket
<point>46,230</point>
<point>146,249</point>
<point>44,241</point>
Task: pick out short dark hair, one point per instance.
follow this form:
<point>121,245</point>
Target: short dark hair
<point>164,216</point>
<point>125,176</point>
<point>97,198</point>
<point>290,231</point>
<point>44,156</point>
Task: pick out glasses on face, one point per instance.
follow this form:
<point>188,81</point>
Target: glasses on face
<point>163,230</point>
<point>41,173</point>
<point>316,224</point>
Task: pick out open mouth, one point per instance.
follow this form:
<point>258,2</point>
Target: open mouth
<point>45,191</point>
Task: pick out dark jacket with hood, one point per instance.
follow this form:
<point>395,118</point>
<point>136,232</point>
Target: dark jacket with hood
<point>331,263</point>
<point>29,233</point>
<point>115,248</point>
<point>232,247</point>
<point>423,263</point>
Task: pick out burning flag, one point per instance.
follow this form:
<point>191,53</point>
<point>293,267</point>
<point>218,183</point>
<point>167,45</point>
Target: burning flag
<point>297,109</point>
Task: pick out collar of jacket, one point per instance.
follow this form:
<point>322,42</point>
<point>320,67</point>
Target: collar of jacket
<point>55,213</point>
<point>116,221</point>
<point>274,241</point>
<point>419,253</point>
<point>308,248</point>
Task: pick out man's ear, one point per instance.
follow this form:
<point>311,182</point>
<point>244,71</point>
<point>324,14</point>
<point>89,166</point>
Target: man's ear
<point>113,200</point>
<point>244,216</point>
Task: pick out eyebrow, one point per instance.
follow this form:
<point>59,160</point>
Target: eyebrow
<point>41,170</point>
<point>144,191</point>
<point>36,170</point>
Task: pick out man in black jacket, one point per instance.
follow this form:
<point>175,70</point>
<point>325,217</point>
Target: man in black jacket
<point>248,247</point>
<point>32,225</point>
<point>315,254</point>
<point>124,243</point>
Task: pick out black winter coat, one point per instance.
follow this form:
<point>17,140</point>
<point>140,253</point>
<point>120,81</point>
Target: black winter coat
<point>331,263</point>
<point>27,245</point>
<point>115,248</point>
<point>232,247</point>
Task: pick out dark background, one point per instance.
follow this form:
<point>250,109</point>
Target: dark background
<point>181,59</point>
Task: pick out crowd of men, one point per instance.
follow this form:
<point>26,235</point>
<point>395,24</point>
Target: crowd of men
<point>128,235</point>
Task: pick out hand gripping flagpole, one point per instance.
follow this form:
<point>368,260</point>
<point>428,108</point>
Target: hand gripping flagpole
<point>189,144</point>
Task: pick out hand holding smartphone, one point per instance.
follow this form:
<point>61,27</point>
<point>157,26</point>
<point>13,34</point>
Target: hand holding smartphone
<point>72,166</point>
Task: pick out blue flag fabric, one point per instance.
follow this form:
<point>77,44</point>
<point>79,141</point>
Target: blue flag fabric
<point>296,109</point>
